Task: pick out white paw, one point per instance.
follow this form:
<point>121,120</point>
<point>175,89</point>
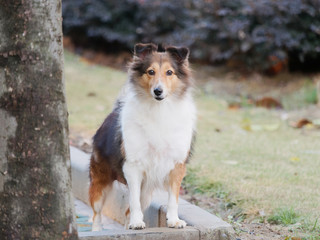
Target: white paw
<point>176,223</point>
<point>137,225</point>
<point>96,227</point>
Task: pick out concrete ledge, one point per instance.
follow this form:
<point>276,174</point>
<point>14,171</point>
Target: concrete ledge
<point>204,225</point>
<point>147,234</point>
<point>80,174</point>
<point>209,225</point>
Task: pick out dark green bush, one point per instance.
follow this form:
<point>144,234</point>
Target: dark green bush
<point>253,32</point>
<point>100,22</point>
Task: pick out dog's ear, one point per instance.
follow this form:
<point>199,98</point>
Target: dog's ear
<point>179,54</point>
<point>141,50</point>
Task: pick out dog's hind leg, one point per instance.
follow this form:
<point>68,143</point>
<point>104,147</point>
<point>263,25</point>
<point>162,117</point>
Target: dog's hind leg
<point>97,201</point>
<point>175,179</point>
<point>100,186</point>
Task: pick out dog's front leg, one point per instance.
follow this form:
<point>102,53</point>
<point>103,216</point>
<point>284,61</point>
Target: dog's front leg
<point>175,179</point>
<point>134,177</point>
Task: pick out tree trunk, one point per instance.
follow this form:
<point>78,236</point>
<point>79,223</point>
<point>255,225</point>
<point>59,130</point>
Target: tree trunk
<point>35,186</point>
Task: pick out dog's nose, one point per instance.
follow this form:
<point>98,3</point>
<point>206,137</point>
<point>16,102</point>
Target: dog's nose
<point>158,91</point>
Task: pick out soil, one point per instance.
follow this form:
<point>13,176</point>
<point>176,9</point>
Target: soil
<point>245,229</point>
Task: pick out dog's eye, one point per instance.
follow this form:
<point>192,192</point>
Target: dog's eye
<point>151,72</point>
<point>169,73</point>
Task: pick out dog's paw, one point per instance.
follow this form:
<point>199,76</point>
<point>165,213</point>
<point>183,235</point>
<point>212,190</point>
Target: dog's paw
<point>176,223</point>
<point>137,225</point>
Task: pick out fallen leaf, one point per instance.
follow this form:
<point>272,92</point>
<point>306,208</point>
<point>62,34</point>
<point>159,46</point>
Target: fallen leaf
<point>310,126</point>
<point>268,102</point>
<point>234,106</point>
<point>301,123</point>
<point>246,124</point>
<point>294,159</point>
<point>277,64</point>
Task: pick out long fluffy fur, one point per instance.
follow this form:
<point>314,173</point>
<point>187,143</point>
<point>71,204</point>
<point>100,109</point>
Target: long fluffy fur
<point>147,139</point>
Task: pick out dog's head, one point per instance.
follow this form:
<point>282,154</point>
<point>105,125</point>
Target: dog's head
<point>160,72</point>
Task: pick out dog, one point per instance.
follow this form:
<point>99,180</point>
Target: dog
<point>147,139</point>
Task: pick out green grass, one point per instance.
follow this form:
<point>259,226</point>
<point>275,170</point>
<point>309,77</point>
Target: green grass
<point>91,91</point>
<point>248,156</point>
<point>308,230</point>
<point>301,98</point>
<point>284,216</point>
<point>200,185</point>
<point>312,227</point>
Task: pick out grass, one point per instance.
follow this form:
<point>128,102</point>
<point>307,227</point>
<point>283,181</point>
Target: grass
<point>313,228</point>
<point>284,216</point>
<point>289,217</point>
<point>91,91</point>
<point>200,185</point>
<point>301,98</point>
<point>248,156</point>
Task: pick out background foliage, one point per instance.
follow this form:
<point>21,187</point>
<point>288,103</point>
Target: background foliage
<point>255,33</point>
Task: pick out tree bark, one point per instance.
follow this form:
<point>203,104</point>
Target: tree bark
<point>35,185</point>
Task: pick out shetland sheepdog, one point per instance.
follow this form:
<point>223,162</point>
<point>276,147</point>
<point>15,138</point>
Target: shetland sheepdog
<point>147,139</point>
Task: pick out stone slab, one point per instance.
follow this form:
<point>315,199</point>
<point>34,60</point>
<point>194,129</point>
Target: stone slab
<point>147,234</point>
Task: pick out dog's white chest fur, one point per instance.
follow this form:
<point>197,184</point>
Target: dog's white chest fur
<point>157,135</point>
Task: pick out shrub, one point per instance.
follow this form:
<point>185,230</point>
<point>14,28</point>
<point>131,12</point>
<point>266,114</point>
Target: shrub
<point>258,33</point>
<point>103,22</point>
